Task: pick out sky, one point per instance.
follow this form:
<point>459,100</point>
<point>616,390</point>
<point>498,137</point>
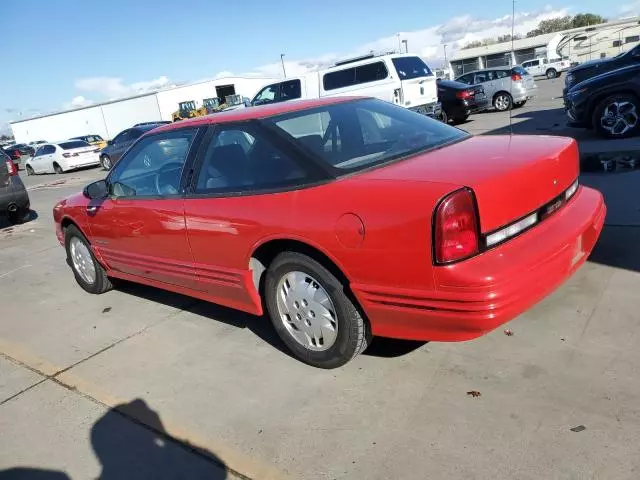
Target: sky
<point>63,54</point>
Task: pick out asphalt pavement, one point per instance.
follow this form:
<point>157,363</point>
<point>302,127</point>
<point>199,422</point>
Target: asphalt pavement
<point>141,383</point>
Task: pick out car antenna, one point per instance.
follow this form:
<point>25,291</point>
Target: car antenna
<point>513,21</point>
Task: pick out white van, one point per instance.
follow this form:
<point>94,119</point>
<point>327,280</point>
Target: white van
<point>402,79</point>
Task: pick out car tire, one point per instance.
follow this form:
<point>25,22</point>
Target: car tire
<point>105,161</point>
<point>19,217</point>
<point>29,170</point>
<point>610,123</point>
<point>552,73</point>
<point>443,117</point>
<point>459,120</point>
<point>344,334</point>
<point>83,262</point>
<point>502,101</point>
<point>58,169</point>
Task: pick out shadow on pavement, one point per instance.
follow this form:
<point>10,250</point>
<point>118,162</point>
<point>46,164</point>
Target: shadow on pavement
<point>392,347</point>
<point>130,442</point>
<point>6,226</point>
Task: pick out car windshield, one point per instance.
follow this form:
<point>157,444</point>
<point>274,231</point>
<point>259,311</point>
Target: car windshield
<point>360,134</point>
<point>411,67</point>
<point>73,144</point>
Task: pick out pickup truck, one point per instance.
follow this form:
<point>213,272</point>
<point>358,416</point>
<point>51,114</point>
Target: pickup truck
<point>544,67</point>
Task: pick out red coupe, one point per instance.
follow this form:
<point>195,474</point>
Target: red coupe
<point>344,218</point>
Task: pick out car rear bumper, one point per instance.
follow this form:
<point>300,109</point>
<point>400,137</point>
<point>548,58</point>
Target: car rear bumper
<point>433,110</point>
<point>476,296</point>
<point>84,162</point>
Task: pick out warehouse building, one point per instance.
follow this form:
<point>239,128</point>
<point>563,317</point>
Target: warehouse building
<point>108,118</point>
<point>577,44</point>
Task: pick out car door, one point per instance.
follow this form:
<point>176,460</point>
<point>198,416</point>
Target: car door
<point>121,142</point>
<point>45,159</point>
<point>139,229</point>
<point>534,67</point>
<point>486,78</point>
<point>239,194</point>
<point>269,94</point>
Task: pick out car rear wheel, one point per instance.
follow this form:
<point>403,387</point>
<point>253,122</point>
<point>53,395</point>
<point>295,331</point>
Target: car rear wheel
<point>617,116</point>
<point>57,168</point>
<point>458,120</point>
<point>29,170</point>
<point>105,161</point>
<point>88,272</point>
<point>443,117</point>
<point>502,101</point>
<point>312,313</point>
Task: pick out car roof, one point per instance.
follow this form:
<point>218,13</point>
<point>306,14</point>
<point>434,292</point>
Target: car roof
<point>488,69</point>
<point>250,113</point>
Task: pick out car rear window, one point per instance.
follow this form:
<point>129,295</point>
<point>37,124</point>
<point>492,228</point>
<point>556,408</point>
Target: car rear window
<point>73,144</point>
<point>411,67</point>
<point>519,71</point>
<point>359,134</point>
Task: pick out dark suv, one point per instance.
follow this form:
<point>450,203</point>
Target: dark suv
<point>609,102</point>
<point>14,199</point>
<point>110,154</point>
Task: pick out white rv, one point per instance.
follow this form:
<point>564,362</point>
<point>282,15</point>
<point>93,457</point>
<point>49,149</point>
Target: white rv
<point>402,79</point>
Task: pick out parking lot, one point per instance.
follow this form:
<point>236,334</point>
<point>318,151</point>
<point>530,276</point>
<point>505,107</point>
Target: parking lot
<point>173,387</point>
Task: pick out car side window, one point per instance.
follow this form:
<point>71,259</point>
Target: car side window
<point>502,73</point>
<point>153,167</point>
<point>481,77</point>
<point>122,136</point>
<point>47,150</point>
<point>290,90</point>
<point>268,94</point>
<point>468,79</point>
<point>240,159</point>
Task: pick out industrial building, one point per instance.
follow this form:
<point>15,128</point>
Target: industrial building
<point>108,118</point>
<point>578,44</point>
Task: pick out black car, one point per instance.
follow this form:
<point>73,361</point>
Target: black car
<point>592,68</point>
<point>609,102</point>
<point>16,151</point>
<point>14,199</point>
<point>157,123</point>
<point>116,147</point>
<point>460,100</point>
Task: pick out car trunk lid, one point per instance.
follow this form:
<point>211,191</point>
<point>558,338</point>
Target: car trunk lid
<point>510,176</point>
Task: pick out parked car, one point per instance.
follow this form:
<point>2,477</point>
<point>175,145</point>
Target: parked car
<point>23,149</point>
<point>597,67</point>
<point>12,153</point>
<point>95,140</point>
<point>62,157</point>
<point>157,122</point>
<point>609,102</point>
<point>116,147</point>
<point>14,199</point>
<point>418,229</point>
<point>37,144</point>
<point>543,67</point>
<point>459,100</point>
<point>403,79</point>
<point>505,87</point>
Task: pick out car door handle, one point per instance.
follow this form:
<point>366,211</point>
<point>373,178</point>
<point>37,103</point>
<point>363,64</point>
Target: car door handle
<point>92,209</point>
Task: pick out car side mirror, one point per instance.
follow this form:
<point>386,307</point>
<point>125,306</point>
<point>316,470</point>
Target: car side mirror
<point>96,190</point>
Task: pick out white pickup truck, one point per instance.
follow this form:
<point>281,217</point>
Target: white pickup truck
<point>550,68</point>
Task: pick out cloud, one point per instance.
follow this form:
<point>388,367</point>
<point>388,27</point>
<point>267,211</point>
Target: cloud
<point>77,102</point>
<point>630,9</point>
<point>427,42</point>
<point>113,87</point>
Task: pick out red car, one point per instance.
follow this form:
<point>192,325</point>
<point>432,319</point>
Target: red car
<point>344,218</point>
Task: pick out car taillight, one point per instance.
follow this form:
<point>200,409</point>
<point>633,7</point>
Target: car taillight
<point>456,227</point>
<point>12,168</point>
<point>465,94</point>
<point>17,153</point>
<point>516,77</point>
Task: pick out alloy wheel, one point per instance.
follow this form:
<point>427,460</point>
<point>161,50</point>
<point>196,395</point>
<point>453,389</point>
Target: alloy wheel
<point>307,311</point>
<point>82,260</point>
<point>619,117</point>
<point>502,102</point>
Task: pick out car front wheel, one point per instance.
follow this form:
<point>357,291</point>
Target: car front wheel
<point>105,161</point>
<point>88,272</point>
<point>552,73</point>
<point>617,116</point>
<point>312,313</point>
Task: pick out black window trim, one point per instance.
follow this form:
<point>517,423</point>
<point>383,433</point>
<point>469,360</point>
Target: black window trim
<point>187,169</point>
<point>315,174</point>
<point>355,75</point>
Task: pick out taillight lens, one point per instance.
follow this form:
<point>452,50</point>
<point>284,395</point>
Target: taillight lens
<point>12,168</point>
<point>516,77</point>
<point>456,227</point>
<point>465,94</point>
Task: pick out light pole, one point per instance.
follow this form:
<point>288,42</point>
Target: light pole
<point>399,45</point>
<point>445,55</point>
<point>282,61</point>
<point>406,46</point>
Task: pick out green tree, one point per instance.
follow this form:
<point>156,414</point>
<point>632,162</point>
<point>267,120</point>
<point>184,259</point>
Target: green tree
<point>586,19</point>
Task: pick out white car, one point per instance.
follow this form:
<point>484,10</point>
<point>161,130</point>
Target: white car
<point>550,68</point>
<point>62,157</point>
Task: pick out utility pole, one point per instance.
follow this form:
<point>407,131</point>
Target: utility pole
<point>406,46</point>
<point>282,61</point>
<point>446,64</point>
<point>399,45</point>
